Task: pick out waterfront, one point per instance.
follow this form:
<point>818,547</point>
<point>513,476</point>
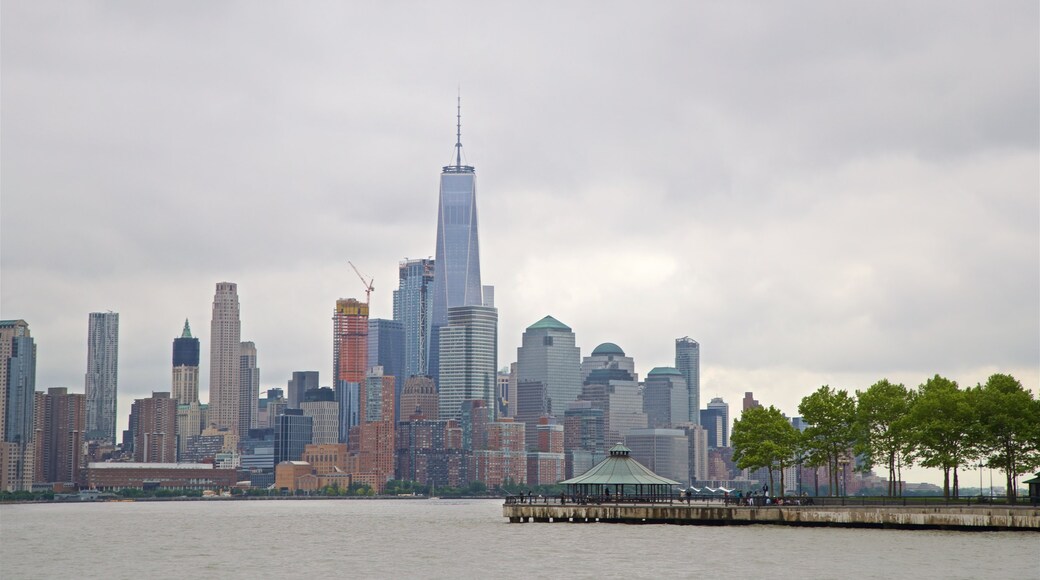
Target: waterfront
<point>462,539</point>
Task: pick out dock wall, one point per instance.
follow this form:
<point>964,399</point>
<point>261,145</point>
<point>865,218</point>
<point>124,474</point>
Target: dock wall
<point>906,517</point>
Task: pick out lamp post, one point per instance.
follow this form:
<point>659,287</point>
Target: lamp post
<point>843,462</point>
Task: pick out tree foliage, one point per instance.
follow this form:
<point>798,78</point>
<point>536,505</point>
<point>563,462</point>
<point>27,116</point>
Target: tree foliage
<point>882,430</point>
<point>944,428</point>
<point>764,438</point>
<point>831,415</point>
<point>1009,428</point>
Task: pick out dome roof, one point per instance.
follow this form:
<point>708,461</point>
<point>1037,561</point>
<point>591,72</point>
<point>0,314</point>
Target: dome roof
<point>664,371</point>
<point>607,349</point>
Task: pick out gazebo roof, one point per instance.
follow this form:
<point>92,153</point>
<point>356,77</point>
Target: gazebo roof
<point>619,469</point>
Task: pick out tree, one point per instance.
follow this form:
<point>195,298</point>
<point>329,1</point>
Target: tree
<point>831,416</point>
<point>1009,427</point>
<point>881,429</point>
<point>764,438</point>
<point>943,428</point>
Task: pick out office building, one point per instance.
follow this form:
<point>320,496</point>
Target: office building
<point>469,358</point>
<point>191,420</point>
<point>665,398</point>
<point>320,404</point>
<point>663,451</point>
<point>300,383</point>
<point>61,427</point>
<point>412,301</point>
<point>749,401</point>
<point>386,350</point>
<point>17,406</point>
<point>225,352</point>
<point>548,355</point>
<point>249,388</point>
<point>102,375</point>
<point>715,420</point>
<point>292,433</point>
<point>185,385</point>
<point>153,422</point>
<point>688,362</point>
<point>419,397</point>
<point>456,279</point>
<point>612,386</point>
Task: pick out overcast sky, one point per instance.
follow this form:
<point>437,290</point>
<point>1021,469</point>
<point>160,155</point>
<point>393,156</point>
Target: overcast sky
<point>818,194</point>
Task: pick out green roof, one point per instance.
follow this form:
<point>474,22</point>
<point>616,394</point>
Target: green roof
<point>619,469</point>
<point>608,349</point>
<point>549,323</point>
<point>664,371</point>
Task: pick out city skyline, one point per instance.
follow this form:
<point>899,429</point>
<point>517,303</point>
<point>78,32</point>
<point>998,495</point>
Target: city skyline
<point>853,217</point>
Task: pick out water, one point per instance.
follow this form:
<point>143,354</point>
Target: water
<point>463,539</point>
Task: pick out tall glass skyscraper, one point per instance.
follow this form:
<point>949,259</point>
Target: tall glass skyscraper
<point>456,278</point>
<point>102,375</point>
<point>469,356</point>
<point>688,361</point>
<point>412,309</point>
<point>549,356</point>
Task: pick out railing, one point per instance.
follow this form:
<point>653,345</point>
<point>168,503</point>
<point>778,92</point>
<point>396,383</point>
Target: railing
<point>761,501</point>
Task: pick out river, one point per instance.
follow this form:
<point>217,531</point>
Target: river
<point>463,539</point>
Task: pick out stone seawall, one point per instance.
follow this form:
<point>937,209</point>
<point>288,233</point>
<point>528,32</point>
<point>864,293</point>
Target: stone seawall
<point>902,517</point>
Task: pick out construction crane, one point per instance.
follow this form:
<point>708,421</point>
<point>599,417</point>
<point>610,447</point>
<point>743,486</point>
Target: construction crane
<point>369,284</point>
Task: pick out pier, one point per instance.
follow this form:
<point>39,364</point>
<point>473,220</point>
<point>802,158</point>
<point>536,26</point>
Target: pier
<point>977,517</point>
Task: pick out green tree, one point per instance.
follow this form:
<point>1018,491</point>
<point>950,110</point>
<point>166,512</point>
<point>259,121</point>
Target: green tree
<point>944,428</point>
<point>831,433</point>
<point>882,431</point>
<point>1009,427</point>
<point>764,438</point>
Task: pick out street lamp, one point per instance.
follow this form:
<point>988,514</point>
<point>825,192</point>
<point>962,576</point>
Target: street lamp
<point>844,461</point>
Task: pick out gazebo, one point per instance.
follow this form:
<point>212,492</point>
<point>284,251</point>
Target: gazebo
<point>620,478</point>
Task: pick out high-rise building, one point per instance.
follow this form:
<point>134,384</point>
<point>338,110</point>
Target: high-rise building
<point>320,404</point>
<point>419,397</point>
<point>456,279</point>
<point>102,375</point>
<point>665,399</point>
<point>664,451</point>
<point>249,389</point>
<point>715,420</point>
<point>225,351</point>
<point>386,350</point>
<point>61,422</point>
<point>469,358</point>
<point>185,388</point>
<point>293,431</point>
<point>749,401</point>
<point>17,405</point>
<point>412,309</point>
<point>688,361</point>
<point>154,422</point>
<point>350,359</point>
<point>548,355</point>
<point>191,420</point>
<point>612,385</point>
<point>300,383</point>
<point>608,356</point>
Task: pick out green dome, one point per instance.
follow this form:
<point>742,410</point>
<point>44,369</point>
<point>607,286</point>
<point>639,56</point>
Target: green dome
<point>664,371</point>
<point>608,349</point>
<point>549,323</point>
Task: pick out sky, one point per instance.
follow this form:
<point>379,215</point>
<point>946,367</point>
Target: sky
<point>817,193</point>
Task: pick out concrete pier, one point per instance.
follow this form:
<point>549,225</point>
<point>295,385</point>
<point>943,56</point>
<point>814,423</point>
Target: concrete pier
<point>982,518</point>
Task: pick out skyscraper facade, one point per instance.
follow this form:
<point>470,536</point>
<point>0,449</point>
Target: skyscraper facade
<point>469,358</point>
<point>386,350</point>
<point>715,420</point>
<point>249,389</point>
<point>61,421</point>
<point>300,383</point>
<point>611,384</point>
<point>154,424</point>
<point>17,393</point>
<point>412,301</point>
<point>456,279</point>
<point>350,360</point>
<point>225,351</point>
<point>102,375</point>
<point>665,400</point>
<point>185,387</point>
<point>548,355</point>
<point>688,361</point>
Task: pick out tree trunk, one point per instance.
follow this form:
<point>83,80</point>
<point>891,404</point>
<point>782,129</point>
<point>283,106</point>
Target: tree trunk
<point>1012,495</point>
<point>946,482</point>
<point>956,483</point>
<point>816,479</point>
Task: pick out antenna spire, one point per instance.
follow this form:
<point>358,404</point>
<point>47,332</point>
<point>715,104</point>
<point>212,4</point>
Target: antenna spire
<point>458,131</point>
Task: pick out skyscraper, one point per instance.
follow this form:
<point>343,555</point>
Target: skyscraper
<point>17,403</point>
<point>548,355</point>
<point>154,421</point>
<point>715,420</point>
<point>665,398</point>
<point>456,279</point>
<point>688,361</point>
<point>611,384</point>
<point>102,375</point>
<point>225,350</point>
<point>469,358</point>
<point>61,420</point>
<point>386,349</point>
<point>412,309</point>
<point>185,367</point>
<point>300,383</point>
<point>350,359</point>
<point>249,389</point>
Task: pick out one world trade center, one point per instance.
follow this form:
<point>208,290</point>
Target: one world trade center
<point>456,278</point>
